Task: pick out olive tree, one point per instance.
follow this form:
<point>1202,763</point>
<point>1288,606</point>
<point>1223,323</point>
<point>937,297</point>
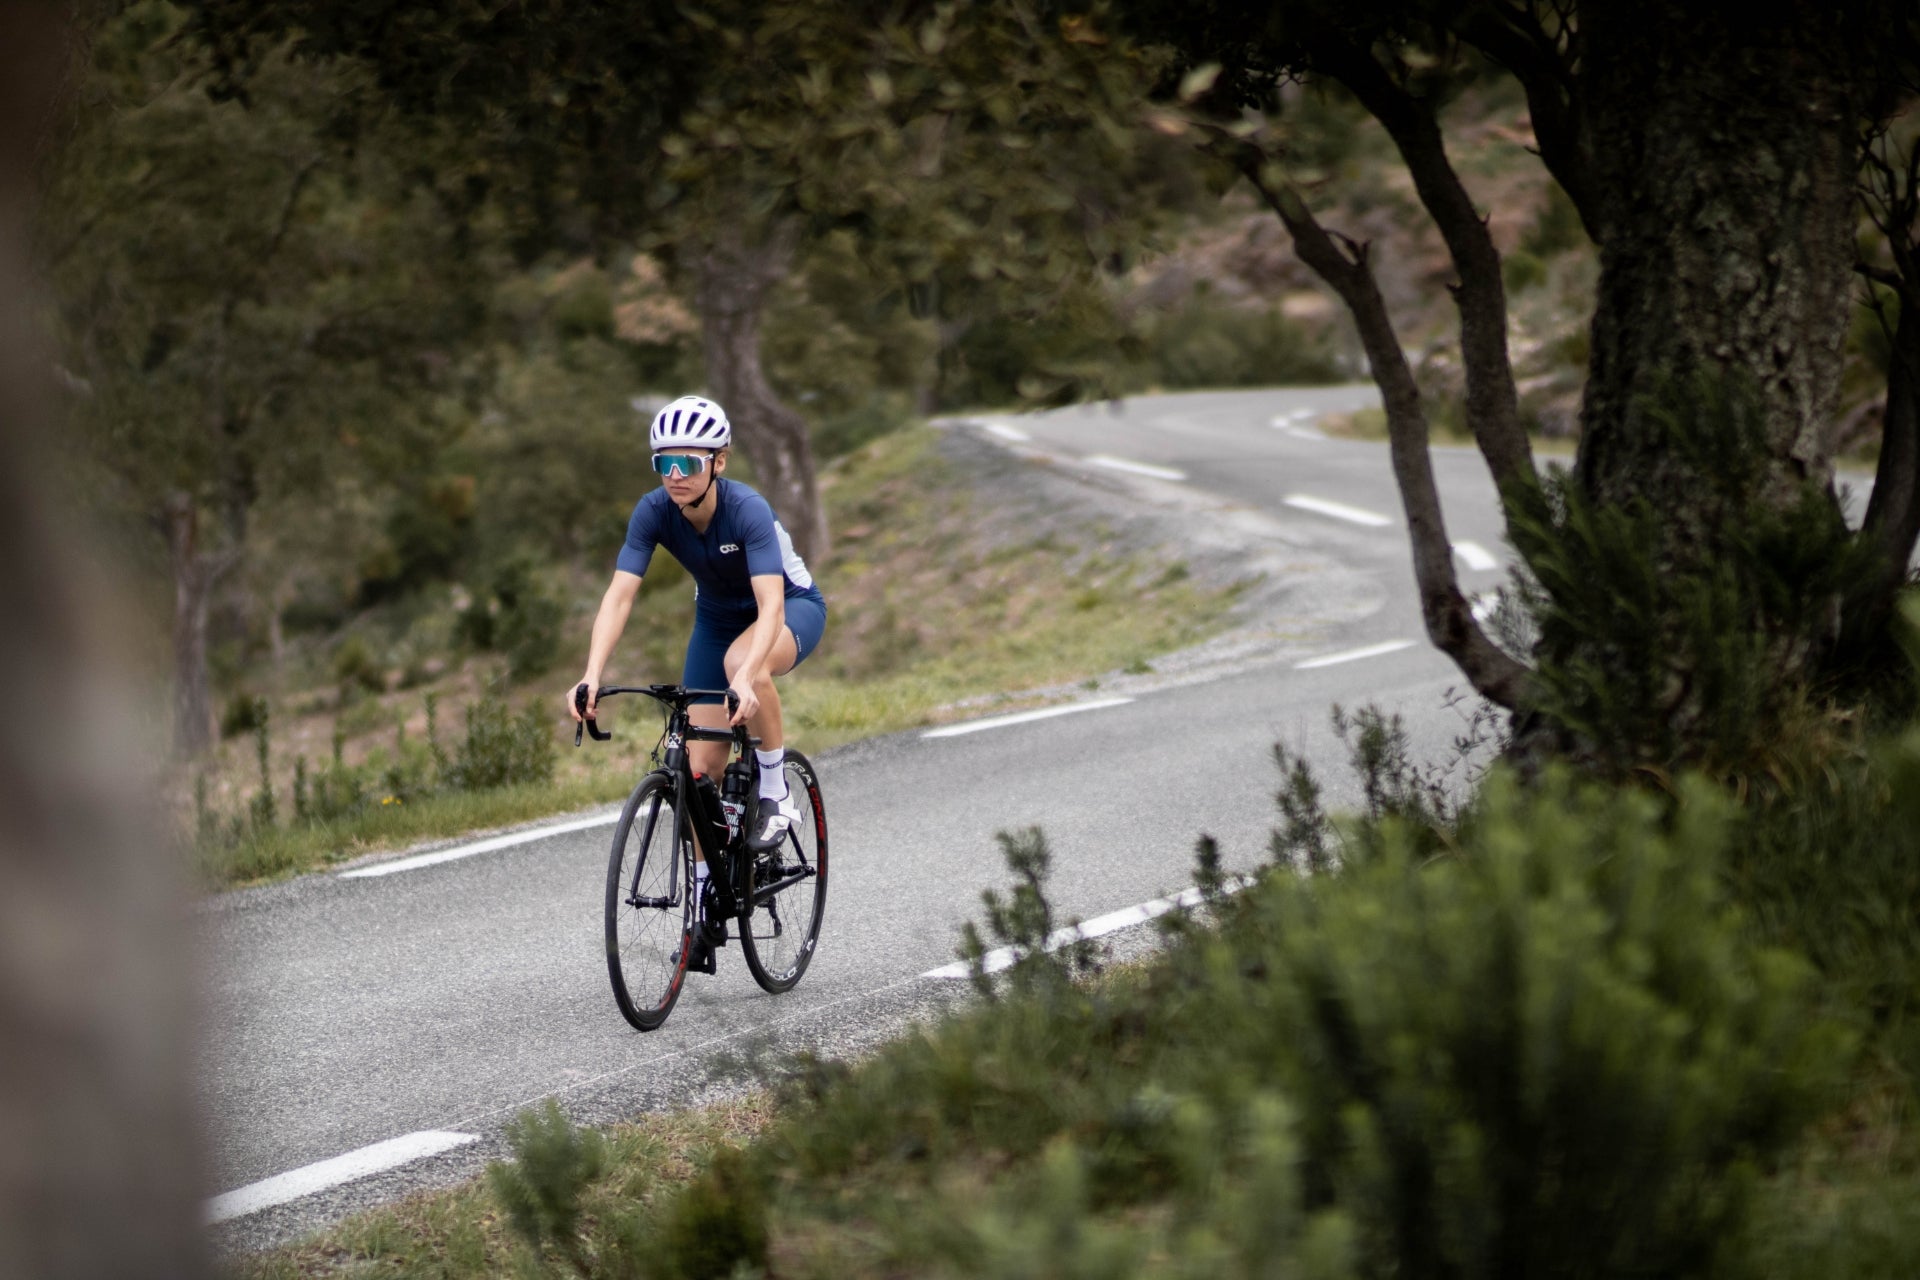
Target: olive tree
<point>1715,153</point>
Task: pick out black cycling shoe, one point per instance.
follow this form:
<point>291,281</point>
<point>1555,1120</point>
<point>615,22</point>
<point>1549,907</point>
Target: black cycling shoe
<point>772,820</point>
<point>701,954</point>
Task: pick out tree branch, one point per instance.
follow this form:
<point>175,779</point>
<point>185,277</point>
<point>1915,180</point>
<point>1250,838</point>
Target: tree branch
<point>1534,58</point>
<point>1448,618</point>
<point>1492,403</point>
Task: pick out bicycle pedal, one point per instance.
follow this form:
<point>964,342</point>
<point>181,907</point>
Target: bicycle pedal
<point>714,932</point>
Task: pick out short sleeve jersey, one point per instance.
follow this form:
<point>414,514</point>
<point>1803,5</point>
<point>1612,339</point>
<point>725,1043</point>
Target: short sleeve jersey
<point>742,541</point>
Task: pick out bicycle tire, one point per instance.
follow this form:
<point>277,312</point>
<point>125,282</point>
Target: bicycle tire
<point>649,904</point>
<point>778,949</point>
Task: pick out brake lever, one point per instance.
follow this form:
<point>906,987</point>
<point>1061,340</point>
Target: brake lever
<point>585,721</point>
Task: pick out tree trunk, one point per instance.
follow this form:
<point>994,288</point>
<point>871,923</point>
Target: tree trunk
<point>737,272</point>
<point>1724,156</point>
<point>194,576</point>
<point>98,1174</point>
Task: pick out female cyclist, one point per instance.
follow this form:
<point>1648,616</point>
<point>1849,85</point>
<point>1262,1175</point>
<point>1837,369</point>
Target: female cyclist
<point>757,613</point>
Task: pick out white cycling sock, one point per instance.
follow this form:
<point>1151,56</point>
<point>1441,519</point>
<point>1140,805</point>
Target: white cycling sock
<point>773,775</point>
<point>699,891</point>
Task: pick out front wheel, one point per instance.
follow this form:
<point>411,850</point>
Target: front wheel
<point>650,904</point>
<point>789,890</point>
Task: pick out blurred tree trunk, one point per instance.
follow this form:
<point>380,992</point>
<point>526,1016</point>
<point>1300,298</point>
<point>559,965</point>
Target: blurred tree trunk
<point>195,574</point>
<point>97,1175</point>
<point>737,271</point>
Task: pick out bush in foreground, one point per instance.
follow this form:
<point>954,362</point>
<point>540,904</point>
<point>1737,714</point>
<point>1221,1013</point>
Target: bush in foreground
<point>1555,1052</point>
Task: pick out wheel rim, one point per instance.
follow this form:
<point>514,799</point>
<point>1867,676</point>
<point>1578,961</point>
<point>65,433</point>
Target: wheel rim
<point>785,926</point>
<point>647,938</point>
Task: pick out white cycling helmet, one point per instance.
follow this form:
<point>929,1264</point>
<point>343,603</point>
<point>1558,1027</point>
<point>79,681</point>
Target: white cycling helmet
<point>690,423</point>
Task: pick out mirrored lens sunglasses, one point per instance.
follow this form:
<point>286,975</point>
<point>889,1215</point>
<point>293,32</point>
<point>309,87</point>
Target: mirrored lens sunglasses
<point>682,464</point>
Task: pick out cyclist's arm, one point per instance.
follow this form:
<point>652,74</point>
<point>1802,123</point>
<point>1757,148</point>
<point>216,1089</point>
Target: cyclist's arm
<point>615,607</point>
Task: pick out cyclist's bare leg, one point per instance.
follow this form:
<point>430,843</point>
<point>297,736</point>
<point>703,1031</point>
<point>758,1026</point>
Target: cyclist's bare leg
<point>765,724</point>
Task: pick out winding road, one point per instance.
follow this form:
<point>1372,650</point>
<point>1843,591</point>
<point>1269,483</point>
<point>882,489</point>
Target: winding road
<point>369,1034</point>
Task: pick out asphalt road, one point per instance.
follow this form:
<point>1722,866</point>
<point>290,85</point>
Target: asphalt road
<point>423,1009</point>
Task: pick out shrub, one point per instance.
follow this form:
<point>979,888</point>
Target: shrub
<point>1211,343</point>
<point>243,713</point>
<point>1661,649</point>
<point>500,748</point>
<point>355,667</point>
<point>1552,1052</point>
<point>716,1225</point>
<point>518,616</point>
<point>554,1162</point>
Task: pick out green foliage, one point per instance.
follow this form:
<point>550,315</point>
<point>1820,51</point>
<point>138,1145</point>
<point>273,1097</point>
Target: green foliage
<point>355,668</point>
<point>1669,637</point>
<point>1211,343</point>
<point>263,811</point>
<point>1023,921</point>
<point>1425,801</point>
<point>501,749</point>
<point>243,713</point>
<point>1832,869</point>
<point>715,1226</point>
<point>554,1162</point>
<point>519,615</point>
<point>1554,1053</point>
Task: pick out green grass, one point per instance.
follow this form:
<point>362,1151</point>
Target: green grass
<point>291,849</point>
<point>468,1231</point>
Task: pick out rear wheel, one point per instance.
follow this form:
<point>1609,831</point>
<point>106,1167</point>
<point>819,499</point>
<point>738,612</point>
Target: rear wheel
<point>789,890</point>
<point>649,904</point>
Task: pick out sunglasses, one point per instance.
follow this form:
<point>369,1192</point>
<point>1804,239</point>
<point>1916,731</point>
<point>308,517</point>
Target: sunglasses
<point>679,464</point>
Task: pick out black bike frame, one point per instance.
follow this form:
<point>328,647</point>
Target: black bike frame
<point>688,798</point>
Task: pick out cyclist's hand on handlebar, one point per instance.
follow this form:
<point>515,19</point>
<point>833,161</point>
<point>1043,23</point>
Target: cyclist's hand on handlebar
<point>592,702</point>
<point>749,702</point>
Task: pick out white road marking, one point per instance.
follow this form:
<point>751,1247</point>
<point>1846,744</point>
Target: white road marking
<point>1135,468</point>
<point>1338,510</point>
<point>479,846</point>
<point>1125,918</point>
<point>352,1166</point>
<point>1294,421</point>
<point>1354,655</point>
<point>1021,717</point>
<point>1007,433</point>
<point>1475,556</point>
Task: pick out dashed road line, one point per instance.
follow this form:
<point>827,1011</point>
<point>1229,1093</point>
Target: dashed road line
<point>1475,556</point>
<point>1294,421</point>
<point>1014,434</point>
<point>1021,717</point>
<point>1338,510</point>
<point>1353,655</point>
<point>1135,468</point>
<point>351,1167</point>
<point>479,846</point>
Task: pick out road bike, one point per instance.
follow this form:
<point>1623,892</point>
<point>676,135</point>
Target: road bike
<point>775,897</point>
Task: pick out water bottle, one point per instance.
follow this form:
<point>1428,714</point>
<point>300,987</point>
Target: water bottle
<point>734,787</point>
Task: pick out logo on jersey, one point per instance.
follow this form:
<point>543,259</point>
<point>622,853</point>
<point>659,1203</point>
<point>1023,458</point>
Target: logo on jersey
<point>725,547</point>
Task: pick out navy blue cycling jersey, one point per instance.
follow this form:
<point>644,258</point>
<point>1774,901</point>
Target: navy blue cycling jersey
<point>742,542</point>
